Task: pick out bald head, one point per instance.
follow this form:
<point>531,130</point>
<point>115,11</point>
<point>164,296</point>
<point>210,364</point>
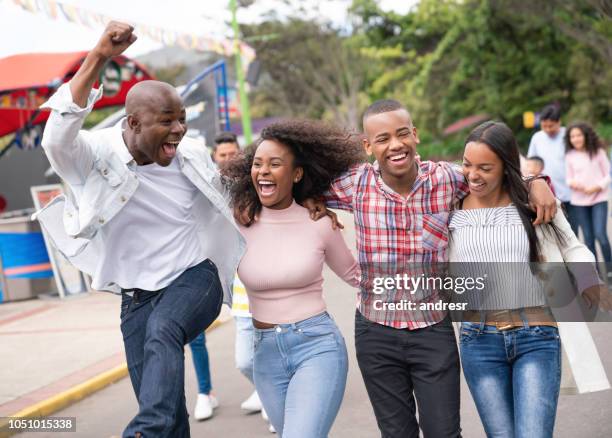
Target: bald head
<point>150,94</point>
<point>156,122</point>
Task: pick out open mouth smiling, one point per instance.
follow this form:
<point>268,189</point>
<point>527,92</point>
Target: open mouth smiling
<point>266,188</point>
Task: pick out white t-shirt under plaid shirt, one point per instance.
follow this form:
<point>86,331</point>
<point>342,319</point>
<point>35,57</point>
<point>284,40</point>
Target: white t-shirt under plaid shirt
<point>396,234</point>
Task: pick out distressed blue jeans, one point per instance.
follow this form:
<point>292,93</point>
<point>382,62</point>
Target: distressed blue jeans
<point>156,325</point>
<point>300,375</point>
<point>514,377</point>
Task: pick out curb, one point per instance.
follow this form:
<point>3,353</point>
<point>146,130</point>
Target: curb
<point>76,393</point>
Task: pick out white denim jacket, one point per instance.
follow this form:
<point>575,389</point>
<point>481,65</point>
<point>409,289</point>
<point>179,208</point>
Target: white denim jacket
<point>99,171</point>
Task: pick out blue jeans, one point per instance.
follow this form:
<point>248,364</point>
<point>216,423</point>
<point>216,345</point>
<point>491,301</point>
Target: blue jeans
<point>300,375</point>
<point>514,377</point>
<point>199,353</point>
<point>244,346</point>
<point>593,220</point>
<point>571,218</point>
<point>155,326</point>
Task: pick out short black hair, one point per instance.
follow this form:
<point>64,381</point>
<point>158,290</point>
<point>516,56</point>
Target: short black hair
<point>382,106</point>
<point>536,158</point>
<point>225,137</point>
<point>551,112</point>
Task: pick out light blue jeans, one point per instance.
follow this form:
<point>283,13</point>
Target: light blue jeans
<point>300,375</point>
<point>514,377</point>
<point>244,346</point>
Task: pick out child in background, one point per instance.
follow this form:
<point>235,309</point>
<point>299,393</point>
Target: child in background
<point>534,166</point>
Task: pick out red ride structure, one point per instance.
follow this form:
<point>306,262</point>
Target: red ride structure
<point>28,80</point>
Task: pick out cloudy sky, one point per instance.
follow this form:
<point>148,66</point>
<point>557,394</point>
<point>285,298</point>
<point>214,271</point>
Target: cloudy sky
<point>22,31</point>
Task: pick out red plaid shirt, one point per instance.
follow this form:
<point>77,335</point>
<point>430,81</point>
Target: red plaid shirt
<point>395,232</point>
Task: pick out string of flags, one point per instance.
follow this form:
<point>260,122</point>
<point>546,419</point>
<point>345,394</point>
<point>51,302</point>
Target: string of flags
<point>56,10</point>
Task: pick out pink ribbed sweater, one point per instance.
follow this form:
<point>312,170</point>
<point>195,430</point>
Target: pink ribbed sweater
<point>282,267</point>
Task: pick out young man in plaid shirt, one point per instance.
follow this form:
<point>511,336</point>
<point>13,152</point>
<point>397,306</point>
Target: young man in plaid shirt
<point>401,207</point>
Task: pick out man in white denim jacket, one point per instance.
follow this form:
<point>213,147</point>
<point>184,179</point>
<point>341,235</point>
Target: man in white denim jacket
<point>154,228</point>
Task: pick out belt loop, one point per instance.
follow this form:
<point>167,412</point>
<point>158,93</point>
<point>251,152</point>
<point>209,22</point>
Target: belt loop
<point>524,318</point>
<point>483,319</point>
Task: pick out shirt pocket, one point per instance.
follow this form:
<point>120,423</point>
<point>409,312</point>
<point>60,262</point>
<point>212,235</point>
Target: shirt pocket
<point>108,173</point>
<point>435,231</point>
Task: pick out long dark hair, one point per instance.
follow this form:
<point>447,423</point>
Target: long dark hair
<point>592,142</point>
<point>500,139</point>
<point>323,150</point>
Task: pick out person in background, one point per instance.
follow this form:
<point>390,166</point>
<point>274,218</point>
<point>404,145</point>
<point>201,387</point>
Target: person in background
<point>534,166</point>
<point>206,402</point>
<point>588,176</point>
<point>226,147</point>
<point>244,347</point>
<point>548,144</point>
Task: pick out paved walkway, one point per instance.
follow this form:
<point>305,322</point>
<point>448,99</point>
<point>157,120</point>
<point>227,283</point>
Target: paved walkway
<point>54,353</point>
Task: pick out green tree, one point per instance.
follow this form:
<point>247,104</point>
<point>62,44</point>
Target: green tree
<point>450,59</point>
<point>308,70</point>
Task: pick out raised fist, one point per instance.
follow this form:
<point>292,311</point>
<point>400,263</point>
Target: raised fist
<point>116,38</point>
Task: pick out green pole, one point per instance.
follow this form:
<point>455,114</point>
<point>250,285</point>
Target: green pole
<point>244,100</point>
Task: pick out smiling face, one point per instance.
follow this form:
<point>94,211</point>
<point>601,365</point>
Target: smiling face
<point>483,170</point>
<point>392,138</point>
<point>157,128</point>
<point>577,139</point>
<point>273,174</point>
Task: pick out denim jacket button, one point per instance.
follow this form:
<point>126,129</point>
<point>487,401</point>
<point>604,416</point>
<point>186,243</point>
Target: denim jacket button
<point>101,220</point>
<point>123,199</point>
<point>278,329</point>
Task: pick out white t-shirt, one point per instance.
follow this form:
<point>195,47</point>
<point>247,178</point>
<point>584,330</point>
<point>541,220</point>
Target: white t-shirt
<point>552,151</point>
<point>153,239</point>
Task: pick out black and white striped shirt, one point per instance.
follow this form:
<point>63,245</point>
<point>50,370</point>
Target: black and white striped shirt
<point>492,242</point>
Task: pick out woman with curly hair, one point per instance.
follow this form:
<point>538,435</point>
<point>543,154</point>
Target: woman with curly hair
<point>300,358</point>
<point>588,177</point>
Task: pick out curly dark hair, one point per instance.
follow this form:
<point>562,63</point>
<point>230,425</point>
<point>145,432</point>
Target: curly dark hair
<point>592,142</point>
<point>323,150</point>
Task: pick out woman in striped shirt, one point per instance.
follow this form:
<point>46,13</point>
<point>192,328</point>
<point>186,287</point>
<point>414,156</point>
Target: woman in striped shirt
<point>509,343</point>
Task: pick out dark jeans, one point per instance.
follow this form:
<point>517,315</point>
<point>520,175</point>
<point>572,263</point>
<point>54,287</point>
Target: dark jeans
<point>569,215</point>
<point>398,365</point>
<point>156,325</point>
<point>593,220</point>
